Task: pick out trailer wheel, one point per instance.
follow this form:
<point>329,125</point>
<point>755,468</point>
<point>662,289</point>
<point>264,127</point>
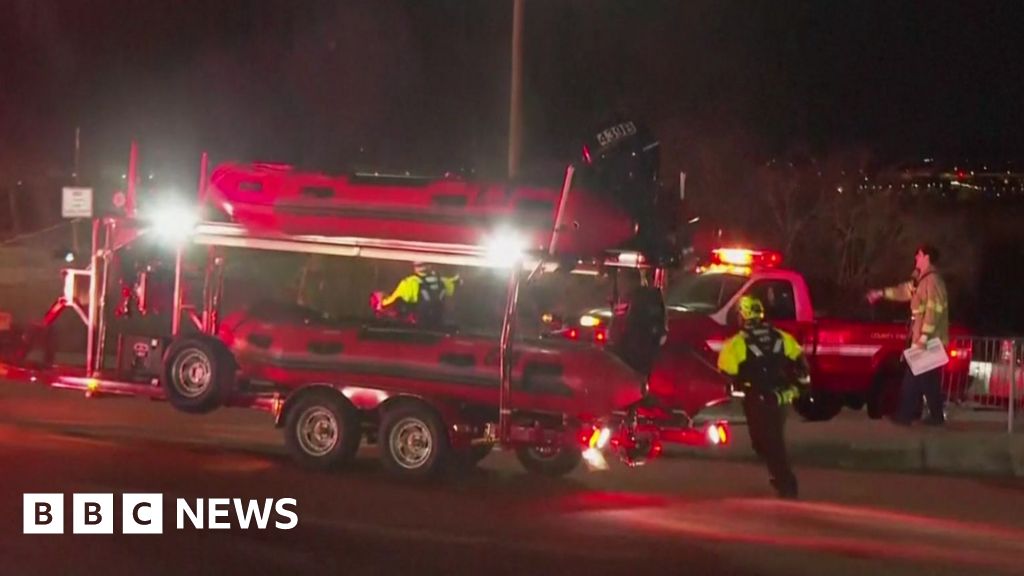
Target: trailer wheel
<point>818,406</point>
<point>199,374</point>
<point>321,431</point>
<point>413,441</point>
<point>549,460</point>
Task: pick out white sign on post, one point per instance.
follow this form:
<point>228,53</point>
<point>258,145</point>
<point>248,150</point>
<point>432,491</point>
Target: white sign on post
<point>76,202</point>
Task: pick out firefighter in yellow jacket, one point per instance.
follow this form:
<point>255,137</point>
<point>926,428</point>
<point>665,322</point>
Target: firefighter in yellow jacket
<point>422,294</point>
<point>929,318</point>
<point>768,370</point>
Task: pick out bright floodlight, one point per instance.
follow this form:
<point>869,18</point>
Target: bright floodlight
<point>173,221</point>
<point>504,249</point>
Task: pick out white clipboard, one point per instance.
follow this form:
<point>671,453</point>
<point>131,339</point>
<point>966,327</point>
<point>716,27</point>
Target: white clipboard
<point>931,356</point>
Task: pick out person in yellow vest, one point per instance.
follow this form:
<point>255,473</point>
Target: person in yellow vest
<point>422,294</point>
<point>929,318</point>
<point>768,370</point>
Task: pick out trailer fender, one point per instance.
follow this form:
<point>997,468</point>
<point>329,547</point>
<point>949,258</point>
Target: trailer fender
<point>460,432</point>
<point>281,414</point>
<point>364,400</point>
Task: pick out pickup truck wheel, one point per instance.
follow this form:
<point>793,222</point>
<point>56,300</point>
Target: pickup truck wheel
<point>321,431</point>
<point>818,406</point>
<point>413,442</point>
<point>199,374</point>
<point>549,460</point>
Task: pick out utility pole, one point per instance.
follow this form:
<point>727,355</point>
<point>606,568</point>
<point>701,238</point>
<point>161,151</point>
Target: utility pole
<point>515,100</point>
<point>74,177</point>
<point>78,148</point>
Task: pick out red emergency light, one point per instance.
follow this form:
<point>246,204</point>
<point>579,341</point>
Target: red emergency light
<point>746,257</point>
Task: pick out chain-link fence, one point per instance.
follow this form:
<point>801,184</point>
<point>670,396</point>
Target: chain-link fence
<point>987,373</point>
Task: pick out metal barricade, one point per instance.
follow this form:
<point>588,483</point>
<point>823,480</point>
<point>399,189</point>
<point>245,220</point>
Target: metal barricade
<point>986,373</point>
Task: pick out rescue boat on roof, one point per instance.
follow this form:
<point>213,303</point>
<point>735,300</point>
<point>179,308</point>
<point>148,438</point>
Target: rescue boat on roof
<point>278,198</point>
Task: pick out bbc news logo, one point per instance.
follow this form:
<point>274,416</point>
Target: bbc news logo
<point>144,513</point>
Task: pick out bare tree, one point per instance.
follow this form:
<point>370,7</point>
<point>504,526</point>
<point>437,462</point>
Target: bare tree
<point>791,197</point>
<point>864,231</point>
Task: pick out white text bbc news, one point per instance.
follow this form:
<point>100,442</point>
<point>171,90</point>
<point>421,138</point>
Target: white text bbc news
<point>144,513</point>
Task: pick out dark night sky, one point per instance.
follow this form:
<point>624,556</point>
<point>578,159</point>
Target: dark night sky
<point>425,82</point>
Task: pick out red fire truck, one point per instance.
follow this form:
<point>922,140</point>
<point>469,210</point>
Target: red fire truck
<point>428,395</point>
<point>853,364</point>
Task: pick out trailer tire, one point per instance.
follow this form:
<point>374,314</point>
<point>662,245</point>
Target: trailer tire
<point>199,374</point>
<point>322,430</point>
<point>413,441</point>
<point>818,406</point>
<point>549,461</point>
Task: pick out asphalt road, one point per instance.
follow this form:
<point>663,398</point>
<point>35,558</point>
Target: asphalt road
<point>675,516</point>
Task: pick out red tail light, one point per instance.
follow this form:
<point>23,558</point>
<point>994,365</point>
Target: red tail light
<point>959,353</point>
<point>718,434</point>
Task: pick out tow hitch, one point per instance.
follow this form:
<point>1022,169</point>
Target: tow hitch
<point>629,437</point>
<point>637,436</point>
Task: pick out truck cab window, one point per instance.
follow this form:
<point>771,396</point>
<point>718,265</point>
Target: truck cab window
<point>703,292</point>
<point>777,297</point>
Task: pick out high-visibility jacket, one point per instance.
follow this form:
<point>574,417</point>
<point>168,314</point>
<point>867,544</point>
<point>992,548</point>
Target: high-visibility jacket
<point>929,306</point>
<point>765,361</point>
<point>428,288</point>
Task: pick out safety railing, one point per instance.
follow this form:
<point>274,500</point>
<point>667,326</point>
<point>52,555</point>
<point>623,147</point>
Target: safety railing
<point>986,374</point>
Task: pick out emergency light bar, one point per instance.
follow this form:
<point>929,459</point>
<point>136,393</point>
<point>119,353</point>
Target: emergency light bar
<point>746,257</point>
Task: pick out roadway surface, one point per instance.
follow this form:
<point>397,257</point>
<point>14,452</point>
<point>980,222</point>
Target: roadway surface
<point>676,516</point>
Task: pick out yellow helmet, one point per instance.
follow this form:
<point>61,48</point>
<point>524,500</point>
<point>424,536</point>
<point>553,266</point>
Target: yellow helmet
<point>751,309</point>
